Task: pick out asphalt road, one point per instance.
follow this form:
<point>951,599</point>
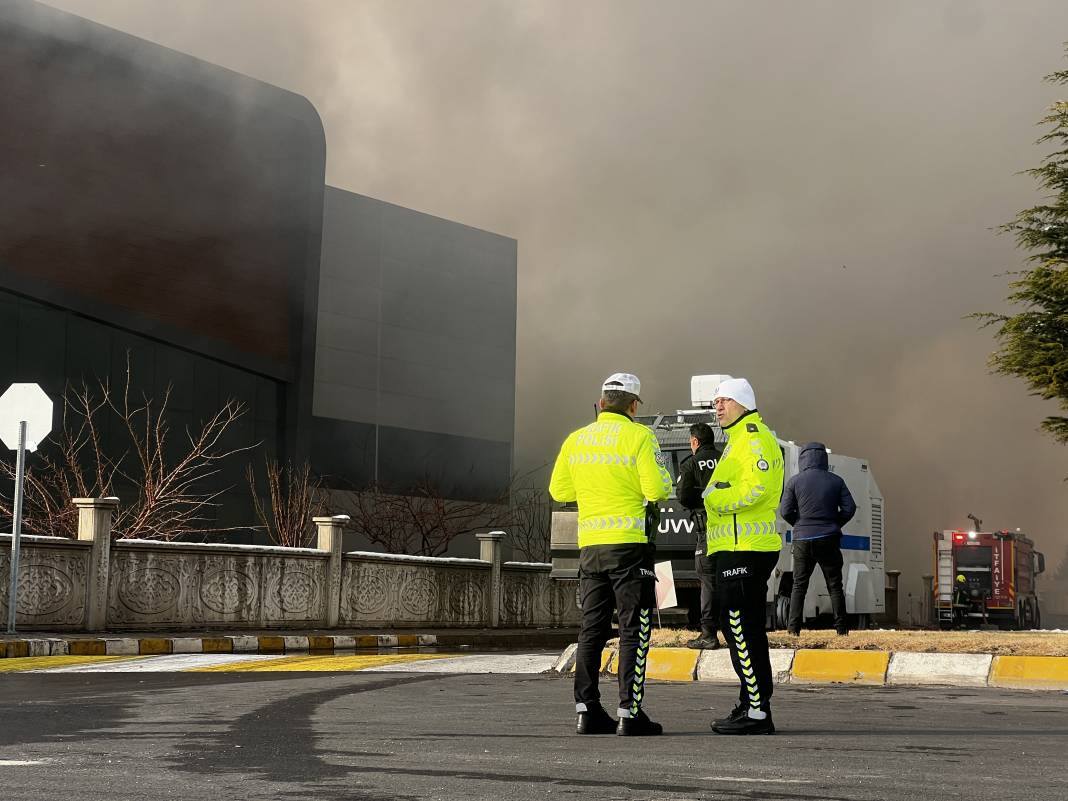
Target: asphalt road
<point>376,736</point>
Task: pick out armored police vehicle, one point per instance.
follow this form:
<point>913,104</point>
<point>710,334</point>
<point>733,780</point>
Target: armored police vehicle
<point>863,574</point>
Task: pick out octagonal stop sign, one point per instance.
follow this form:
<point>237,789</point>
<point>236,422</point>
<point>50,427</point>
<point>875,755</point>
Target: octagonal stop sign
<point>25,402</point>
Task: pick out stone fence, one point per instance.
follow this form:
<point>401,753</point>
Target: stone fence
<point>95,584</point>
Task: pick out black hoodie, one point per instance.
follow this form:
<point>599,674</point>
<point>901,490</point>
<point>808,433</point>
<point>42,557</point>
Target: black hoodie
<point>816,502</point>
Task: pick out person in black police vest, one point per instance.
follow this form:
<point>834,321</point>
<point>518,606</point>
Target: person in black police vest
<point>694,473</point>
<point>817,503</point>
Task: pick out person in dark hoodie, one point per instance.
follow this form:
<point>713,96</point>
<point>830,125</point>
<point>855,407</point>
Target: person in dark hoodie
<point>694,473</point>
<point>817,503</point>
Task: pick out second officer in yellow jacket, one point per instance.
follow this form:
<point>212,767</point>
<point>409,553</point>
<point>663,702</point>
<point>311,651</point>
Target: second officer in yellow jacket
<point>614,469</point>
<point>740,501</point>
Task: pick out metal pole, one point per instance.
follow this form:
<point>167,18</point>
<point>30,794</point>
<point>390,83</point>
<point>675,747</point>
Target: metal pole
<point>16,531</point>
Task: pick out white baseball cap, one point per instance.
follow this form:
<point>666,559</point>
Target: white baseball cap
<point>623,382</point>
<point>737,389</point>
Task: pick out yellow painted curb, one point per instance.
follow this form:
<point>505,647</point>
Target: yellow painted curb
<point>367,641</point>
<point>608,659</point>
<point>87,647</point>
<point>17,648</point>
<point>217,645</point>
<point>608,656</point>
<point>672,664</point>
<point>338,664</point>
<point>666,664</point>
<point>321,644</point>
<point>1030,672</point>
<point>407,640</point>
<point>151,646</point>
<point>272,645</point>
<point>21,664</point>
<point>853,667</point>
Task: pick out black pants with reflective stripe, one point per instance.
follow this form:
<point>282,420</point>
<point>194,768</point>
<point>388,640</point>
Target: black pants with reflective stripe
<point>743,590</point>
<point>620,578</point>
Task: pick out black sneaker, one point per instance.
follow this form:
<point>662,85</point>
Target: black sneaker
<point>736,714</point>
<point>638,726</point>
<point>703,643</point>
<point>794,632</point>
<point>842,632</point>
<point>745,725</point>
<point>594,721</point>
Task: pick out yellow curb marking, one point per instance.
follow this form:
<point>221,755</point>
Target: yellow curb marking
<point>87,647</point>
<point>672,664</point>
<point>319,663</point>
<point>667,664</point>
<point>321,644</point>
<point>853,667</point>
<point>217,645</point>
<point>17,648</point>
<point>18,664</point>
<point>272,645</point>
<point>1030,672</point>
<point>607,659</point>
<point>153,646</point>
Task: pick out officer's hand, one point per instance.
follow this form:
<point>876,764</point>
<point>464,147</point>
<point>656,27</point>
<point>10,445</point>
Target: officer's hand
<point>722,485</point>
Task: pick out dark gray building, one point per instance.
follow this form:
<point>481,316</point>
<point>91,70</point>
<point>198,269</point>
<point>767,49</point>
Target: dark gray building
<point>415,350</point>
<point>169,213</point>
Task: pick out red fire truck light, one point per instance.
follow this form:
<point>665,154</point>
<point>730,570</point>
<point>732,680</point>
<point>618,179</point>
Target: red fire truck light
<point>958,536</point>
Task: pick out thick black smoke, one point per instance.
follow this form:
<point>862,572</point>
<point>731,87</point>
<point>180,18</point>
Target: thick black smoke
<point>800,193</point>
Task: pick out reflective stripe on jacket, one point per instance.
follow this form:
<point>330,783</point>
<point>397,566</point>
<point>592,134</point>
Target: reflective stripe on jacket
<point>611,467</point>
<point>744,490</point>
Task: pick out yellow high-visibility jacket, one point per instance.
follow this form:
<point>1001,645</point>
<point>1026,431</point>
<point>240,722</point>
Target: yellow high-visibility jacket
<point>611,467</point>
<point>744,490</point>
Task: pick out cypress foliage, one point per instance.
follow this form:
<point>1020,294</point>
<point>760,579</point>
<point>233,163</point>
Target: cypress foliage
<point>1033,343</point>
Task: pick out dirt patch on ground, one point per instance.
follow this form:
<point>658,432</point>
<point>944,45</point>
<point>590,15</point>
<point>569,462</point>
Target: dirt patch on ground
<point>1013,643</point>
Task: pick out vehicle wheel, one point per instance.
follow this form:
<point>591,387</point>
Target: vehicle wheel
<point>1027,616</point>
<point>782,612</point>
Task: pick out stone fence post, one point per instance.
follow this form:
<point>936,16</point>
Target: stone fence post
<point>94,525</point>
<point>490,551</point>
<point>330,531</point>
<point>927,601</point>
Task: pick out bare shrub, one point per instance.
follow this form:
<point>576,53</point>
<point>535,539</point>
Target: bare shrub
<point>421,523</point>
<point>292,501</point>
<point>170,501</point>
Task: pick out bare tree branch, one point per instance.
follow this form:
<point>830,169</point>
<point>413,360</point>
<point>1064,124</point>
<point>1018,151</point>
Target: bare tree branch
<point>170,501</point>
<point>292,501</point>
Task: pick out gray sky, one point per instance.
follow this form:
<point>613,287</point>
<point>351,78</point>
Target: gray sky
<point>800,193</point>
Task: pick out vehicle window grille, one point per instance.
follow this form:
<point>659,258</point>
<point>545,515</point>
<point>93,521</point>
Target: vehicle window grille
<point>876,529</point>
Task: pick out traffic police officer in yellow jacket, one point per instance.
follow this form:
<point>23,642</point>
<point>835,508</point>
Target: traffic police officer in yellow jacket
<point>740,500</point>
<point>614,469</point>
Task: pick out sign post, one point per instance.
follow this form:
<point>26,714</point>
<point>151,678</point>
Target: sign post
<point>16,529</point>
<point>25,420</point>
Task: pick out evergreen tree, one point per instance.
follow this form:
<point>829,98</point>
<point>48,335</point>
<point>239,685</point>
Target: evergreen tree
<point>1033,343</point>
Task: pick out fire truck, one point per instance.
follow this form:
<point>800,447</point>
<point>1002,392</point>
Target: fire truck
<point>999,570</point>
<point>863,575</point>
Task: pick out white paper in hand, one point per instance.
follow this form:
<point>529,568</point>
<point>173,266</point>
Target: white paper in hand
<point>665,586</point>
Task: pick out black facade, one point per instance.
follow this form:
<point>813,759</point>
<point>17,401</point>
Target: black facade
<point>415,353</point>
<point>169,214</point>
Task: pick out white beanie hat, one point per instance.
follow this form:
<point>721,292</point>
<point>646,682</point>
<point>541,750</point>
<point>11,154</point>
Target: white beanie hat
<point>737,389</point>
